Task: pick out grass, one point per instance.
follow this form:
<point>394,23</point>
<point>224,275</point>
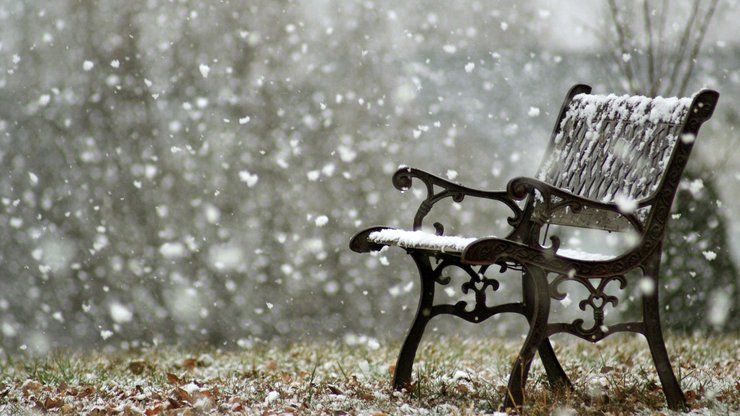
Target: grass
<point>452,376</point>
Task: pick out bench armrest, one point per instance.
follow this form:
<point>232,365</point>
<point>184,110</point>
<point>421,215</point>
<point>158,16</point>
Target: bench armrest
<point>403,180</point>
<point>521,187</point>
<point>491,250</point>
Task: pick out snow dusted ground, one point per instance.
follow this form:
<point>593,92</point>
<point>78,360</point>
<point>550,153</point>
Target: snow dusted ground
<point>452,376</point>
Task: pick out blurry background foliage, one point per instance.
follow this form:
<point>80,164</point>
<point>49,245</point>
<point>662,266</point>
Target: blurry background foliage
<point>186,171</point>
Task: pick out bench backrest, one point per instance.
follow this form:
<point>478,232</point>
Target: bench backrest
<point>606,147</point>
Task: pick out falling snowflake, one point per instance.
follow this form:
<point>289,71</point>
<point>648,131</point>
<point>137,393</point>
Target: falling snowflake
<point>204,70</point>
<point>321,220</point>
<point>249,178</point>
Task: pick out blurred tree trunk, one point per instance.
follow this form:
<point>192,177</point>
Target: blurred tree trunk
<point>654,49</point>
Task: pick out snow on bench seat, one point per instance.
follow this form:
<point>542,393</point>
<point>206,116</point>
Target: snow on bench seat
<point>455,245</point>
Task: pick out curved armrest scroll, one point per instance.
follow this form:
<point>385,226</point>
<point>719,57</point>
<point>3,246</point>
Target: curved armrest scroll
<point>521,187</point>
<point>360,244</point>
<point>403,180</point>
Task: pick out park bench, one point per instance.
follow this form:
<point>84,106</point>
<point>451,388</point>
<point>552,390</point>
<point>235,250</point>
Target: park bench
<point>613,163</point>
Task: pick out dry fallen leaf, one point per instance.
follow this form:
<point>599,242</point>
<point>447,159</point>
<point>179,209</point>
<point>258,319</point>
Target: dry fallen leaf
<point>690,395</point>
<point>154,410</point>
<point>30,385</point>
<point>366,396</point>
<point>137,366</point>
<point>173,379</point>
<point>182,395</point>
<point>98,411</point>
<point>52,403</point>
<point>174,403</point>
<point>189,363</point>
<point>86,391</point>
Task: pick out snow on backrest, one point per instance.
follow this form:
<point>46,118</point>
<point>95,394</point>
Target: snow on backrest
<point>609,146</point>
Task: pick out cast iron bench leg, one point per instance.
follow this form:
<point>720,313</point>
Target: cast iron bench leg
<point>405,362</point>
<point>555,374</point>
<point>537,303</point>
<point>651,314</point>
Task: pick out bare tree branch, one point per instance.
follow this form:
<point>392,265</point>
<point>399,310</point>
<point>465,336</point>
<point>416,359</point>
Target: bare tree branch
<point>619,26</point>
<point>609,58</point>
<point>661,52</point>
<point>697,46</point>
<point>678,61</point>
<point>650,52</point>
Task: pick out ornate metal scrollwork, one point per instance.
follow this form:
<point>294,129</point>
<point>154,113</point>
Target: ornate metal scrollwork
<point>403,180</point>
<point>478,284</point>
<point>597,300</point>
<point>550,202</point>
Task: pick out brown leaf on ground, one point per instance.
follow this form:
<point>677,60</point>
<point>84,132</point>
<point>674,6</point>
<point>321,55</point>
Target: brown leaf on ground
<point>203,392</point>
<point>366,396</point>
<point>606,369</point>
<point>52,403</point>
<point>189,363</point>
<point>462,388</point>
<point>154,410</point>
<point>86,391</point>
<point>690,396</point>
<point>182,395</point>
<point>173,379</point>
<point>98,411</point>
<point>30,385</point>
<point>174,403</point>
<point>137,366</point>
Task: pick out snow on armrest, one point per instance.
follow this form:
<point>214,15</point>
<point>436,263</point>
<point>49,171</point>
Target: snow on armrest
<point>420,240</point>
<point>583,255</point>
